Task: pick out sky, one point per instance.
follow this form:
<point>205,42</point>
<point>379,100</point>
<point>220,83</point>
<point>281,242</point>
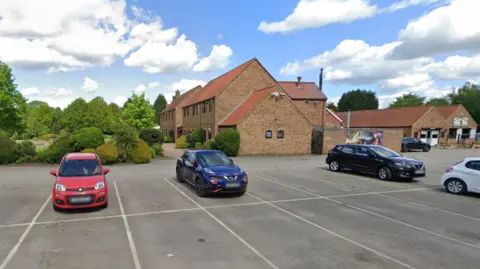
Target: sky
<point>60,50</point>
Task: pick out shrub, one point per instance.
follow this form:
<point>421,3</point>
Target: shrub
<point>228,141</point>
<point>47,136</point>
<point>168,139</point>
<point>107,153</point>
<point>63,133</point>
<point>154,154</point>
<point>198,136</point>
<point>89,151</point>
<point>7,149</point>
<point>85,138</point>
<point>158,149</point>
<point>181,142</point>
<point>24,149</point>
<point>190,141</point>
<point>208,144</point>
<point>142,152</point>
<point>125,139</point>
<point>151,136</point>
<point>198,145</point>
<point>26,159</point>
<point>55,152</point>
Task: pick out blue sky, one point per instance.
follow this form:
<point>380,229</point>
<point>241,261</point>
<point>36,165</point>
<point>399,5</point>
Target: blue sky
<point>391,47</point>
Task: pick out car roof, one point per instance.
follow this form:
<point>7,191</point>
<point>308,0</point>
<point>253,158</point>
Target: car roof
<point>202,150</point>
<point>81,156</point>
<point>467,159</point>
<point>360,145</point>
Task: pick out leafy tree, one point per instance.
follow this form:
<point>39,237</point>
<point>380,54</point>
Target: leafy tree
<point>139,113</point>
<point>116,110</point>
<point>99,115</point>
<point>151,136</point>
<point>468,96</point>
<point>441,101</point>
<point>39,118</point>
<point>159,105</point>
<point>75,115</point>
<point>406,100</point>
<point>12,102</point>
<point>357,100</point>
<point>332,106</point>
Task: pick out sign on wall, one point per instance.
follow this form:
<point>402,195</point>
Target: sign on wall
<point>365,137</point>
<point>460,122</point>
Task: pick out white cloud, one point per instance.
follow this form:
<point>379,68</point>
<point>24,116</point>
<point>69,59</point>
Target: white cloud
<point>120,100</point>
<point>414,82</point>
<point>185,84</point>
<point>218,59</point>
<point>56,102</point>
<point>456,68</point>
<point>89,85</point>
<point>407,3</point>
<point>58,92</point>
<point>140,88</point>
<point>153,85</point>
<point>318,13</point>
<point>220,36</point>
<point>446,29</point>
<point>30,91</point>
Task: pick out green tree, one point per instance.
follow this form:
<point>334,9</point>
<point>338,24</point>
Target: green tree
<point>39,119</point>
<point>116,110</point>
<point>159,105</point>
<point>441,101</point>
<point>139,113</point>
<point>406,100</point>
<point>468,96</point>
<point>332,106</point>
<point>100,115</point>
<point>357,100</point>
<point>75,115</point>
<point>12,103</point>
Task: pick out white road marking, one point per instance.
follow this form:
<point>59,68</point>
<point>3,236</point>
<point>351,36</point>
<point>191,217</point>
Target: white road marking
<point>14,225</point>
<point>254,250</point>
<point>14,250</point>
<point>334,233</point>
<point>380,215</point>
<point>133,248</point>
<point>79,219</point>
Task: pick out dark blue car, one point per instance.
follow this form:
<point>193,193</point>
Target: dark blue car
<point>211,171</point>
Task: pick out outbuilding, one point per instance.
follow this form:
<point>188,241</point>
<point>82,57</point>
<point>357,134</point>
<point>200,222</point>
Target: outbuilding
<point>461,124</point>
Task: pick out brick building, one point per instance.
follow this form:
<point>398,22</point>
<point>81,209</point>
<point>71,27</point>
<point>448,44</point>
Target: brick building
<point>272,117</point>
<point>423,122</point>
<point>461,125</point>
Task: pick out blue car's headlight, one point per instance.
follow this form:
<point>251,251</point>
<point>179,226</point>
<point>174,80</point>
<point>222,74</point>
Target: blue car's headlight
<point>208,171</point>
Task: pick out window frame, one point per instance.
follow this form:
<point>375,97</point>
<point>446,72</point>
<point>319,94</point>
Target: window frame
<point>469,166</point>
<point>351,147</point>
<point>283,134</point>
<point>270,132</point>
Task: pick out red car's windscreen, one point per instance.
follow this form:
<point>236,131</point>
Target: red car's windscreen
<point>80,168</point>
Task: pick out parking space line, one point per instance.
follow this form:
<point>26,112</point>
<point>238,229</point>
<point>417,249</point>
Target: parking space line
<point>14,250</point>
<point>133,248</point>
<point>14,225</point>
<point>79,219</point>
<point>384,217</point>
<point>334,233</point>
<point>254,250</point>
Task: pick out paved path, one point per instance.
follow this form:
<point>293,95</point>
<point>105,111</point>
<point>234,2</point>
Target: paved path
<point>171,151</point>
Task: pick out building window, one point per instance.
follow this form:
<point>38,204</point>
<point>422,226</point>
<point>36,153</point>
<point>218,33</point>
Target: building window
<point>268,134</point>
<point>415,134</point>
<point>210,104</point>
<point>204,107</point>
<point>280,134</point>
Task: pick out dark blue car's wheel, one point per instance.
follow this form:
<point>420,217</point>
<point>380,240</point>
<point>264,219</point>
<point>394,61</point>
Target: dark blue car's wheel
<point>199,189</point>
<point>179,175</point>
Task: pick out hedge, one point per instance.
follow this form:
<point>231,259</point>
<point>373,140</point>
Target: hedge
<point>228,141</point>
<point>107,153</point>
<point>7,150</point>
<point>158,149</point>
<point>198,136</point>
<point>167,139</point>
<point>142,152</point>
<point>89,151</point>
<point>181,142</point>
<point>85,138</point>
<point>55,152</point>
<point>151,136</point>
<point>208,144</point>
<point>198,145</point>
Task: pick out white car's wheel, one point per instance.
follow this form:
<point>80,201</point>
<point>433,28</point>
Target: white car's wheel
<point>455,186</point>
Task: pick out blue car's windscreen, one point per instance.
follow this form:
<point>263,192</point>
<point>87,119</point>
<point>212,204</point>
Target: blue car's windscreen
<point>80,168</point>
<point>213,159</point>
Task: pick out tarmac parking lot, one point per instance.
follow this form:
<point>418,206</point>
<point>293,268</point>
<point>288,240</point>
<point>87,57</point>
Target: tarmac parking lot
<point>296,214</point>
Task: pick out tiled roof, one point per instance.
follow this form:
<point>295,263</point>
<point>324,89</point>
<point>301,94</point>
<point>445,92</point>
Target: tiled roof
<point>246,106</point>
<point>180,98</point>
<point>395,117</point>
<point>332,118</point>
<point>308,90</point>
<point>447,111</point>
<point>216,85</point>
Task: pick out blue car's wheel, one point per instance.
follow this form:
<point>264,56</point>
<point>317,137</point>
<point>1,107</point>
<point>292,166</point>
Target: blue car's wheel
<point>199,189</point>
<point>179,175</point>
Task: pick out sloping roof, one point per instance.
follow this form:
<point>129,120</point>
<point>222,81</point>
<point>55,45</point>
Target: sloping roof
<point>447,111</point>
<point>332,118</point>
<point>395,117</point>
<point>307,90</point>
<point>214,86</point>
<point>175,102</point>
<point>246,106</point>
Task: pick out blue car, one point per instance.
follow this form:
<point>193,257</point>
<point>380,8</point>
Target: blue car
<point>211,171</point>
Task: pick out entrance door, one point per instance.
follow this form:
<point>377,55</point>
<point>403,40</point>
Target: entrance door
<point>423,136</point>
<point>434,138</point>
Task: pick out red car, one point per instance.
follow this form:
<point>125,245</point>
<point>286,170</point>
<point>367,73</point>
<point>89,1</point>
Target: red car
<point>80,182</point>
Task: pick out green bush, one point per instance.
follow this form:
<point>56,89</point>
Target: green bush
<point>85,138</point>
<point>181,142</point>
<point>26,159</point>
<point>89,151</point>
<point>125,139</point>
<point>190,141</point>
<point>7,149</point>
<point>154,154</point>
<point>198,145</point>
<point>208,144</point>
<point>151,136</point>
<point>47,136</point>
<point>198,136</point>
<point>167,139</point>
<point>63,133</point>
<point>55,152</point>
<point>107,153</point>
<point>25,148</point>
<point>141,153</point>
<point>158,149</point>
<point>228,141</point>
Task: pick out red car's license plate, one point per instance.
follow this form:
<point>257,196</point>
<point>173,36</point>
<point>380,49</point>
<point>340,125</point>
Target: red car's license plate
<point>84,199</point>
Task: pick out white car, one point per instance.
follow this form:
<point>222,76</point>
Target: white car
<point>463,177</point>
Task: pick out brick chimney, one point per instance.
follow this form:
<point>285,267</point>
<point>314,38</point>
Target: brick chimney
<point>299,81</point>
<point>320,82</point>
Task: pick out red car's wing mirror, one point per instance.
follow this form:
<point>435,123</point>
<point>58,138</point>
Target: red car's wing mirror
<point>53,173</point>
<point>106,170</point>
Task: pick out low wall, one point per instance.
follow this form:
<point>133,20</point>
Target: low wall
<point>390,137</point>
